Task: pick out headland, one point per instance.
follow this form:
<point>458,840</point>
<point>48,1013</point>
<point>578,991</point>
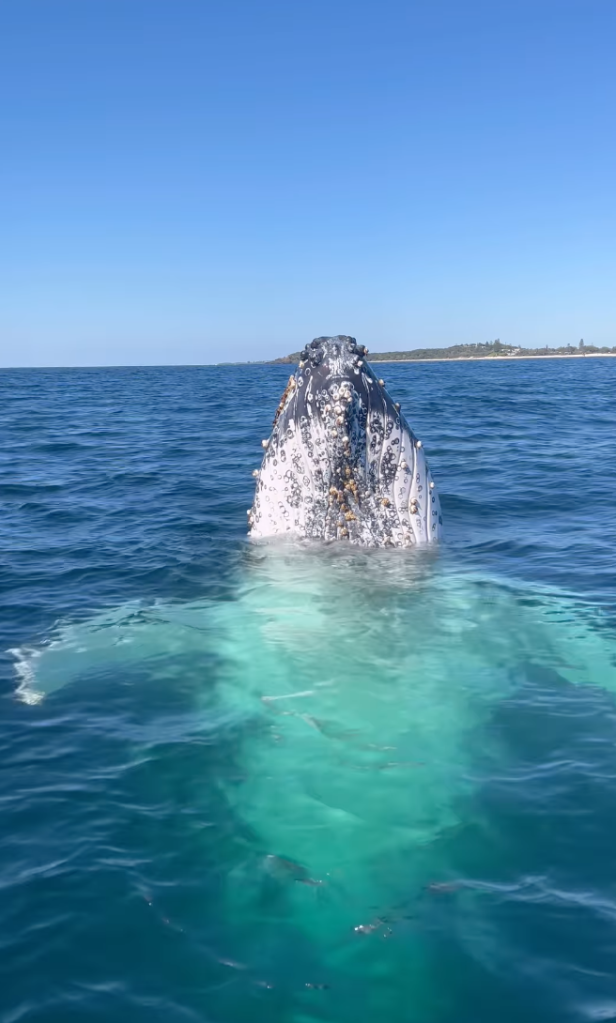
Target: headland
<point>488,351</point>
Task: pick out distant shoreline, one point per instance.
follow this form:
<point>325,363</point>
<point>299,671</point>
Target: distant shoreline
<point>502,358</point>
<point>290,362</point>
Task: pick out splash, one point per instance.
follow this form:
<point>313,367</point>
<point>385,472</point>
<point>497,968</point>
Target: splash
<point>362,684</point>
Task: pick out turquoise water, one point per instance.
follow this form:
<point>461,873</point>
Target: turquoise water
<point>250,781</point>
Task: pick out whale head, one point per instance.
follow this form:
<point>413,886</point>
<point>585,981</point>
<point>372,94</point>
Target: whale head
<point>342,463</point>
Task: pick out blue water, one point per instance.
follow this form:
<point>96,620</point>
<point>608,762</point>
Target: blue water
<point>159,847</point>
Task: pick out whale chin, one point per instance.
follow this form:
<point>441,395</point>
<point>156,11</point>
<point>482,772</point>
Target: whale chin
<point>342,463</point>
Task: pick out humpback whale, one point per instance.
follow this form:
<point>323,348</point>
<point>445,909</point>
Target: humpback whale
<point>342,463</point>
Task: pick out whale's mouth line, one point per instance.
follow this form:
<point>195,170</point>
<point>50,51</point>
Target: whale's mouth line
<point>342,463</point>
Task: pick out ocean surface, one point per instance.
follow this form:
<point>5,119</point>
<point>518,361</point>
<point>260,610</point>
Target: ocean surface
<point>240,782</point>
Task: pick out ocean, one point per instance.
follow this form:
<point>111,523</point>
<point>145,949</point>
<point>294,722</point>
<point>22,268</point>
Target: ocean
<point>241,782</point>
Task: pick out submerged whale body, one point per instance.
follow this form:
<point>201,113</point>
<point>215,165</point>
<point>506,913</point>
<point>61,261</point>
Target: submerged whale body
<point>342,463</point>
<point>354,689</point>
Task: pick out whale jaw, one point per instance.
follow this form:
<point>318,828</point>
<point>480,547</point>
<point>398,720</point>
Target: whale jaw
<point>342,463</point>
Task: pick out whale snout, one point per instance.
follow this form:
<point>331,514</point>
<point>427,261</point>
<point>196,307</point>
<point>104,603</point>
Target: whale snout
<point>342,462</point>
<point>330,385</point>
<point>336,354</point>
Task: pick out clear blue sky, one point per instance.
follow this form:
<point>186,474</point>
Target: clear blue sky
<point>189,181</point>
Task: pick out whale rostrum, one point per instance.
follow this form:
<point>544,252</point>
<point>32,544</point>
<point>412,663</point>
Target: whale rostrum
<point>342,463</point>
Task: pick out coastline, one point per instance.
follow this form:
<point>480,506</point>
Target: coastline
<point>503,358</point>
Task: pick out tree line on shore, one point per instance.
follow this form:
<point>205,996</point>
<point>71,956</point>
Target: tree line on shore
<point>480,350</point>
